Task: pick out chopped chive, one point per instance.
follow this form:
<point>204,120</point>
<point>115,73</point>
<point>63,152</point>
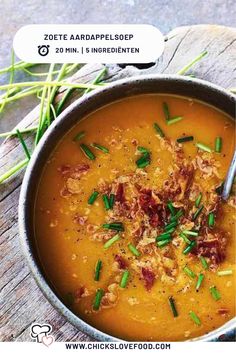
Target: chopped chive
<point>225,273</point>
<point>144,161</point>
<point>166,111</point>
<point>189,247</point>
<point>79,136</point>
<point>112,201</point>
<point>171,208</point>
<point>218,144</point>
<point>106,202</point>
<point>134,250</point>
<point>163,236</point>
<point>88,153</point>
<point>98,298</point>
<point>124,279</point>
<point>93,197</point>
<point>176,216</point>
<point>198,200</point>
<point>215,293</point>
<point>171,225</point>
<point>204,262</point>
<point>99,147</point>
<point>199,281</point>
<point>195,318</point>
<point>111,241</point>
<point>203,147</point>
<point>189,65</point>
<point>97,270</point>
<point>174,120</point>
<point>158,130</point>
<point>172,306</point>
<point>211,219</point>
<point>25,148</point>
<point>220,188</point>
<point>163,243</point>
<point>118,226</point>
<point>183,236</point>
<point>189,272</point>
<point>197,213</point>
<point>191,232</point>
<point>185,139</point>
<point>142,149</point>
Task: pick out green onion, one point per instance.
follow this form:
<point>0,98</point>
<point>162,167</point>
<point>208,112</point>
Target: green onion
<point>225,273</point>
<point>87,152</point>
<point>177,216</point>
<point>199,281</point>
<point>220,188</point>
<point>197,213</point>
<point>163,243</point>
<point>93,197</point>
<point>25,148</point>
<point>97,270</point>
<point>106,202</point>
<point>198,200</point>
<point>171,208</point>
<point>98,78</point>
<point>79,136</point>
<point>171,225</point>
<point>215,293</point>
<point>211,219</point>
<point>144,161</point>
<point>218,144</point>
<point>124,279</point>
<point>99,147</point>
<point>111,241</point>
<point>166,111</point>
<point>172,306</point>
<point>158,130</point>
<point>183,236</point>
<point>98,298</point>
<point>191,232</point>
<point>134,250</point>
<point>194,61</point>
<point>189,272</point>
<point>13,170</point>
<point>185,139</point>
<point>163,236</point>
<point>112,201</point>
<point>203,147</point>
<point>195,318</point>
<point>174,120</point>
<point>118,226</point>
<point>23,131</point>
<point>143,149</point>
<point>189,247</point>
<point>204,262</point>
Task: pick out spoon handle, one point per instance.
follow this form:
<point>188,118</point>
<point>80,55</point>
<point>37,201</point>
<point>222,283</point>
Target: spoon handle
<point>229,178</point>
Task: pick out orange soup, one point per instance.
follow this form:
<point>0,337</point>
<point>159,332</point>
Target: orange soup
<point>130,225</point>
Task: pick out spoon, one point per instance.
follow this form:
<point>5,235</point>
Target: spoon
<point>229,178</point>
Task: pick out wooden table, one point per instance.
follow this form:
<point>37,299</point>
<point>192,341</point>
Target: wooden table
<point>22,302</point>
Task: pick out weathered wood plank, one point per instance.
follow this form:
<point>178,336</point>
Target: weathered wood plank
<point>18,288</point>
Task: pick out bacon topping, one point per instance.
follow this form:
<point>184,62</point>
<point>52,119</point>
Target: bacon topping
<point>148,277</point>
<point>121,262</point>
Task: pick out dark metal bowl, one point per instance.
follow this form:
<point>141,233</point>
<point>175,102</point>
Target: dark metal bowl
<point>169,84</point>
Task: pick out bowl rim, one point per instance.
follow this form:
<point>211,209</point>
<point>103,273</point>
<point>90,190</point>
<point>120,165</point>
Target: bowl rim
<point>23,219</point>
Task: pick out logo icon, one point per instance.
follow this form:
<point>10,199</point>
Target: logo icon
<point>41,334</point>
<point>43,50</point>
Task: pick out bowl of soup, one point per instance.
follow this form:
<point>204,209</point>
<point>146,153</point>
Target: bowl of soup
<point>121,217</point>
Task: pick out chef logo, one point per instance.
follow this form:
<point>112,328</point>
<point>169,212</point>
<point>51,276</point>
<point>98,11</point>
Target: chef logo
<point>41,334</point>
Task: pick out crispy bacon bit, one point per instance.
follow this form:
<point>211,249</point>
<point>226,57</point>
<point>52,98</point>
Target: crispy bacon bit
<point>148,277</point>
<point>212,245</point>
<point>223,311</point>
<point>121,262</point>
<point>155,211</point>
<point>73,172</point>
<point>79,293</point>
<point>80,219</point>
<point>120,197</point>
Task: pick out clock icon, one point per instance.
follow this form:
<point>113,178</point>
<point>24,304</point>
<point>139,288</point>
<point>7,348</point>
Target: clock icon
<point>43,50</point>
